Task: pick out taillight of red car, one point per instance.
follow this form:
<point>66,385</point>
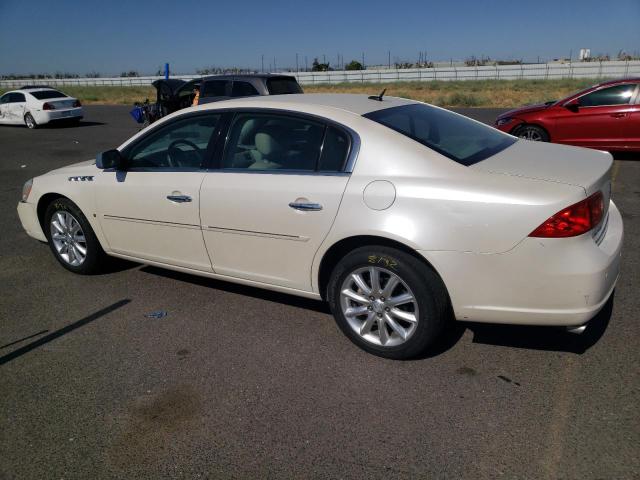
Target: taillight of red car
<point>77,104</point>
<point>48,106</point>
<point>574,220</point>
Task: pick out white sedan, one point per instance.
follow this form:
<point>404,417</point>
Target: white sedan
<point>33,106</point>
<point>401,215</point>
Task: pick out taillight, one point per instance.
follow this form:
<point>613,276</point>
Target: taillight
<point>574,220</point>
<point>48,106</point>
<point>77,104</point>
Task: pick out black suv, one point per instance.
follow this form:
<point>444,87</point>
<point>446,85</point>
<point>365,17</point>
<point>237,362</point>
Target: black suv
<point>174,94</point>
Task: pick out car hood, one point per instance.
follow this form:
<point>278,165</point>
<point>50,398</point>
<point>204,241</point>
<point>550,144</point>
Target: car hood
<point>526,109</point>
<point>81,168</point>
<point>549,162</point>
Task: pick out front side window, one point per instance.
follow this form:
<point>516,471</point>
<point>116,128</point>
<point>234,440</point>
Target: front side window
<point>46,94</point>
<point>181,144</point>
<point>459,138</point>
<point>5,98</point>
<point>243,89</point>
<point>273,142</point>
<point>215,88</point>
<point>617,95</point>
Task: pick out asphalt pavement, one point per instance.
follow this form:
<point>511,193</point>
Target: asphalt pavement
<point>237,382</point>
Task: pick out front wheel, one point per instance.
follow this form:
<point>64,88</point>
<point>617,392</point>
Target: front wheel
<point>387,302</point>
<point>533,133</point>
<point>72,239</point>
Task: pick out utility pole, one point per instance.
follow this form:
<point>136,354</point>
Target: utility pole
<point>263,63</point>
<point>297,69</point>
<point>389,55</point>
<point>324,58</point>
<point>363,67</point>
<point>306,64</point>
<point>275,67</point>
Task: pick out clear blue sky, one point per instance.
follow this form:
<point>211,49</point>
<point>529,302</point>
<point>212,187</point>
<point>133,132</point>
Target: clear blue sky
<point>110,36</point>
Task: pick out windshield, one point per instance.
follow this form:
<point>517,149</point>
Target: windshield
<point>283,86</point>
<point>45,94</point>
<point>454,136</point>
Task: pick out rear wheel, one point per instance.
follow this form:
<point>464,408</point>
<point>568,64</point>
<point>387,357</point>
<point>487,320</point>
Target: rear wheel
<point>387,302</point>
<point>29,121</point>
<point>72,239</point>
<point>532,132</point>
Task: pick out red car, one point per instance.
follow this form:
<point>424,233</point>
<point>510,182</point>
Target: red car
<point>605,116</point>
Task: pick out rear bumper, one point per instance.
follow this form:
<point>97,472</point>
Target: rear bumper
<point>29,220</point>
<point>563,282</point>
<point>45,116</point>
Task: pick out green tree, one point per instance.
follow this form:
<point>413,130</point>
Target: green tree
<point>354,65</point>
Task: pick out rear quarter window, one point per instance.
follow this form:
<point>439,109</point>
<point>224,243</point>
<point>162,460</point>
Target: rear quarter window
<point>215,88</point>
<point>459,138</point>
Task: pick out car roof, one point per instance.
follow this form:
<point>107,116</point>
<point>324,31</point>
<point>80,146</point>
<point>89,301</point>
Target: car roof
<point>230,76</point>
<point>36,89</point>
<point>354,103</point>
<point>619,80</point>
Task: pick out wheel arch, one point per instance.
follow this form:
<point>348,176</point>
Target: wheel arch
<point>342,247</point>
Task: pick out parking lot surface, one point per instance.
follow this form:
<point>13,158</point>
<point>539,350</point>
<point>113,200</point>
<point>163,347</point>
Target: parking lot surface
<point>236,382</point>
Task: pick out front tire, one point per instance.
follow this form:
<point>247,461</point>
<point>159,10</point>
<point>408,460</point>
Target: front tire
<point>532,132</point>
<point>30,122</point>
<point>71,238</point>
<point>387,302</point>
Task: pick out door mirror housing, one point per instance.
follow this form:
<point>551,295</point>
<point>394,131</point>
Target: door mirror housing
<point>110,159</point>
<point>572,105</point>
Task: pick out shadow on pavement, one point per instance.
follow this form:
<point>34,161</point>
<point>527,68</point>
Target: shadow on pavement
<point>544,338</point>
<point>254,292</point>
<point>62,331</point>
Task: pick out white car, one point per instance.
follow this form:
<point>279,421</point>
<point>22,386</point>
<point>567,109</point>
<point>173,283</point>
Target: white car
<point>33,106</point>
<point>395,212</point>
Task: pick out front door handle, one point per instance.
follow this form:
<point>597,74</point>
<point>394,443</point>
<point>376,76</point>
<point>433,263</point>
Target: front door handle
<point>305,206</point>
<point>618,115</point>
<point>179,198</point>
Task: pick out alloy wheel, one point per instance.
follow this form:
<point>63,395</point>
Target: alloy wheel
<point>379,306</point>
<point>68,238</point>
<point>530,134</point>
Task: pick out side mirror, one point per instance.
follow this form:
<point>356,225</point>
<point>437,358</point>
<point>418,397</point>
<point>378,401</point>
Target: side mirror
<point>110,159</point>
<point>572,105</point>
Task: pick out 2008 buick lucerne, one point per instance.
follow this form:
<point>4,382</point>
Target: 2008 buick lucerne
<point>393,211</point>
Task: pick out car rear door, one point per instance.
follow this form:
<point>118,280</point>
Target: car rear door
<point>151,211</point>
<point>4,108</point>
<point>274,196</point>
<point>602,118</point>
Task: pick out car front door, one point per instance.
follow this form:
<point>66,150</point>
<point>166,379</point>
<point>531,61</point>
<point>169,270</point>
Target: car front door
<point>150,211</point>
<point>273,199</point>
<point>16,107</point>
<point>4,108</point>
<point>600,119</point>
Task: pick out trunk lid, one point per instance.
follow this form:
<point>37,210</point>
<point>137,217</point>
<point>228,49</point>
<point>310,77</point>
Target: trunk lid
<point>61,104</point>
<point>581,167</point>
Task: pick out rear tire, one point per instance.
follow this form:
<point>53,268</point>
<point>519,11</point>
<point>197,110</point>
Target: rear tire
<point>30,122</point>
<point>532,132</point>
<point>71,238</point>
<point>387,302</point>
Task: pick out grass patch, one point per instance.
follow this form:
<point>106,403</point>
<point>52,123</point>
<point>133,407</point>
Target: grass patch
<point>470,93</point>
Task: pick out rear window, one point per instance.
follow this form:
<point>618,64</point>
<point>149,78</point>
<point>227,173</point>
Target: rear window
<point>283,86</point>
<point>456,137</point>
<point>45,94</point>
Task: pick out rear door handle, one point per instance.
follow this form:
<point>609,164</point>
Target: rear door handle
<point>618,115</point>
<point>305,206</point>
<point>179,198</point>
